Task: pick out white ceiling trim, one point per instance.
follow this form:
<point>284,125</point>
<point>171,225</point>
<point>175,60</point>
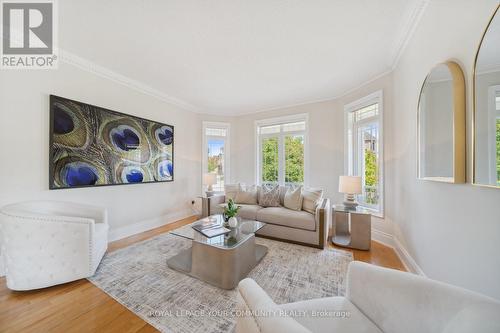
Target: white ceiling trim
<point>375,78</point>
<point>407,31</point>
<point>91,67</point>
<point>400,45</point>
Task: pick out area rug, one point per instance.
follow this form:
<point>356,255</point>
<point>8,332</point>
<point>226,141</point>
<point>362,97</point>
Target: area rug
<point>138,277</point>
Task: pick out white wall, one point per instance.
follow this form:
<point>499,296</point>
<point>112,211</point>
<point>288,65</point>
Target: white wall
<point>452,231</point>
<point>24,144</point>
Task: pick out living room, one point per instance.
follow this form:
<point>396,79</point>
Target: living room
<point>343,156</point>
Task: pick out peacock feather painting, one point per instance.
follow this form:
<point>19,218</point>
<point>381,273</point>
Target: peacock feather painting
<point>93,146</point>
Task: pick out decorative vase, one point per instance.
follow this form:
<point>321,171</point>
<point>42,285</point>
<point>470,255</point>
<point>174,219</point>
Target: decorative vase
<point>233,222</point>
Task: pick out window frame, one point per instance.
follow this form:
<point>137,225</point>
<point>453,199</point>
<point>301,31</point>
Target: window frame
<point>302,117</point>
<point>227,150</point>
<point>351,160</point>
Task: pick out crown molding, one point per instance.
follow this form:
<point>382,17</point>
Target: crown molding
<point>91,67</point>
<point>407,31</point>
<point>399,46</point>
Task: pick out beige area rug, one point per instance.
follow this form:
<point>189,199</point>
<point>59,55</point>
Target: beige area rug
<point>138,277</point>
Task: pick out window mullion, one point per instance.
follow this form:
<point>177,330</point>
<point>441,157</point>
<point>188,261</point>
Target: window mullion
<point>281,159</point>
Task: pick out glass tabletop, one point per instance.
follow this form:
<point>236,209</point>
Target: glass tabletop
<point>358,209</point>
<point>244,230</point>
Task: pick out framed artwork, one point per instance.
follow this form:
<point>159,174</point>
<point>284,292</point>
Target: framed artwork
<point>93,146</point>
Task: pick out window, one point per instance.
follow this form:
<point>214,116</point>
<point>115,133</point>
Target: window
<point>364,149</point>
<point>497,134</point>
<point>216,152</point>
<point>281,148</point>
<point>494,134</point>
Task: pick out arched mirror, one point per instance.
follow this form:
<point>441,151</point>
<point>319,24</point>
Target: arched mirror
<point>486,148</point>
<point>441,125</point>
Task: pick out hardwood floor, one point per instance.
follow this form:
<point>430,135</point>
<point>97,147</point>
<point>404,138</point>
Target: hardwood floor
<point>81,307</point>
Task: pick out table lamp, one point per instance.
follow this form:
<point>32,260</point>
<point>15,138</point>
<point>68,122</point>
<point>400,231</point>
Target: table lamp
<point>209,179</point>
<point>350,185</point>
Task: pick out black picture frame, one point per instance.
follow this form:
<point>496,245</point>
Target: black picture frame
<point>52,144</point>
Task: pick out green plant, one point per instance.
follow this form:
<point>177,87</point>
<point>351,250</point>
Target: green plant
<point>231,210</point>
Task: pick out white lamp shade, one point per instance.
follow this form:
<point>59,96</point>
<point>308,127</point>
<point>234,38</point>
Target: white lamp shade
<point>350,184</point>
<point>209,178</point>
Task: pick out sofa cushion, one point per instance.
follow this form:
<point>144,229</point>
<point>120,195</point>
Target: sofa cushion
<point>247,196</point>
<point>230,190</point>
<point>333,314</point>
<point>311,198</point>
<point>248,212</point>
<point>287,217</point>
<point>293,198</point>
<point>269,196</point>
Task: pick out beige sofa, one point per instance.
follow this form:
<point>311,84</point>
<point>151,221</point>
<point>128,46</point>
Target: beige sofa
<point>299,227</point>
<point>377,300</point>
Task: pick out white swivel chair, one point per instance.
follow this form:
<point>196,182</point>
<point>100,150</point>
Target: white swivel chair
<point>45,243</point>
<point>377,300</point>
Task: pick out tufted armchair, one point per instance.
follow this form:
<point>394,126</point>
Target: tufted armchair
<point>44,243</point>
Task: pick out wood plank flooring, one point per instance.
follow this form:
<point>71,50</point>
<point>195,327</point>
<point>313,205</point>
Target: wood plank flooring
<point>79,306</point>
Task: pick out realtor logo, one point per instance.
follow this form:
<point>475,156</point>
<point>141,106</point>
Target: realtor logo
<point>28,31</point>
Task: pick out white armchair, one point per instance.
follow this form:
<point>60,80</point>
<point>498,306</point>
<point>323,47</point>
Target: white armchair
<point>377,300</point>
<point>44,243</point>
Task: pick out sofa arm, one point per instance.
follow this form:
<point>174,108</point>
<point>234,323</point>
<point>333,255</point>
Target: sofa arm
<point>323,218</point>
<point>257,313</point>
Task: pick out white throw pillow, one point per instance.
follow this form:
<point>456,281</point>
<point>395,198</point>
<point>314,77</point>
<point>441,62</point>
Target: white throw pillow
<point>269,196</point>
<point>231,190</point>
<point>293,198</point>
<point>247,196</point>
<point>311,198</point>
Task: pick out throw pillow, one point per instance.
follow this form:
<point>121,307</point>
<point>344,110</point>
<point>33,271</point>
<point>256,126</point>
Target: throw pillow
<point>293,198</point>
<point>310,200</point>
<point>247,196</point>
<point>282,195</point>
<point>230,190</point>
<point>269,196</point>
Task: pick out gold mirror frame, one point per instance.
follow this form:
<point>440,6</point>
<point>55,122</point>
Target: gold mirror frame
<point>474,104</point>
<point>459,130</point>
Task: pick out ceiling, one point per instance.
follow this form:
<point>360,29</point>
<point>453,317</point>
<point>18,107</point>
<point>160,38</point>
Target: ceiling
<point>231,57</point>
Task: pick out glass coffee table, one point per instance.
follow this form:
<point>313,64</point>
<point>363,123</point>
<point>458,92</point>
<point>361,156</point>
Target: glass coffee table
<point>223,260</point>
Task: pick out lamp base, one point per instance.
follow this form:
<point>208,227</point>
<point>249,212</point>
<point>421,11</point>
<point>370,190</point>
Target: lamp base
<point>350,202</point>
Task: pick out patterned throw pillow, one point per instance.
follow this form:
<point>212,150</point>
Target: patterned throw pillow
<point>269,196</point>
<point>310,200</point>
<point>293,198</point>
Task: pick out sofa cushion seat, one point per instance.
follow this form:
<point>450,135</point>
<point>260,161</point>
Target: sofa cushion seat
<point>332,314</point>
<point>287,218</point>
<point>246,211</point>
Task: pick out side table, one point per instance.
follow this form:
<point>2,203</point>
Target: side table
<point>209,205</point>
<point>351,227</point>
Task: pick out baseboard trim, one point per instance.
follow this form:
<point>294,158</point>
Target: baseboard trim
<point>142,226</point>
<point>389,240</point>
<point>383,238</point>
<point>410,263</point>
